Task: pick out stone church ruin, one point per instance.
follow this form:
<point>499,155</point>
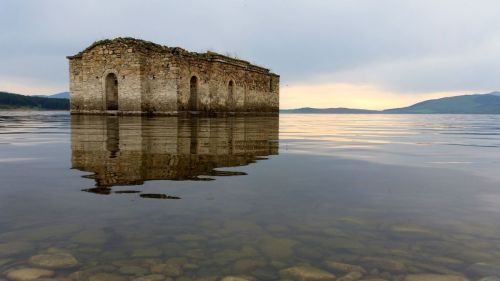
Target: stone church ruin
<point>132,76</point>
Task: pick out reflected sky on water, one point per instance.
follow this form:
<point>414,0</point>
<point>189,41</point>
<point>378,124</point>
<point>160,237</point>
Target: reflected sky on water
<point>255,195</point>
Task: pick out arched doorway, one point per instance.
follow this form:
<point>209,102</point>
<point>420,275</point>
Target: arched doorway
<point>111,87</point>
<point>193,94</point>
<point>230,95</point>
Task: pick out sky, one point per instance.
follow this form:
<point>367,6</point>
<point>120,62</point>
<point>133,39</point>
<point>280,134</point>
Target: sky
<point>329,53</point>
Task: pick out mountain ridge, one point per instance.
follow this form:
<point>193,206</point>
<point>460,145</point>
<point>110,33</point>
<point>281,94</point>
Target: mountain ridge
<point>463,104</point>
<point>61,95</point>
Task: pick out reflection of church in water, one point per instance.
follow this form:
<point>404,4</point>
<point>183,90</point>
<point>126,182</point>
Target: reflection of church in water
<point>130,150</point>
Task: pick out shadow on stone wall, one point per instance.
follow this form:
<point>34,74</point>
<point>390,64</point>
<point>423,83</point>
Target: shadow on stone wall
<point>122,151</point>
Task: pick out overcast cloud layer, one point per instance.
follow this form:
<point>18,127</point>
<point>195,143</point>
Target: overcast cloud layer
<point>407,47</point>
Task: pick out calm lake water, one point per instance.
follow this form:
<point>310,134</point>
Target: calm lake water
<point>263,198</point>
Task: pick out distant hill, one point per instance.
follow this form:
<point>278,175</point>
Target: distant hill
<point>467,104</point>
<point>62,95</point>
<point>15,101</point>
<point>337,110</point>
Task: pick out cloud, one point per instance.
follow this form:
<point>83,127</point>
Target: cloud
<point>411,47</point>
<point>476,69</point>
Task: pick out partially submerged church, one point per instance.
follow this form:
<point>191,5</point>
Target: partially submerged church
<point>131,76</point>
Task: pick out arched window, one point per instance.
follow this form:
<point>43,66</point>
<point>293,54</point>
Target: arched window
<point>230,95</point>
<point>193,94</point>
<point>111,87</point>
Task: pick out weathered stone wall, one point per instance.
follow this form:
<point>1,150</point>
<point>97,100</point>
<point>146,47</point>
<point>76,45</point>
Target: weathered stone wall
<point>77,94</point>
<point>254,88</point>
<point>154,79</point>
<point>160,84</point>
<point>88,76</point>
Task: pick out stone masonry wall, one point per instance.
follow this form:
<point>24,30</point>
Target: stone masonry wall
<point>253,90</point>
<point>154,79</point>
<point>160,84</point>
<point>88,75</point>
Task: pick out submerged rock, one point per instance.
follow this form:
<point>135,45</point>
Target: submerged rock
<point>107,277</point>
<point>413,231</point>
<point>54,261</point>
<point>4,262</point>
<point>306,273</point>
<point>90,237</point>
<point>353,221</point>
<point>95,268</point>
<point>484,269</point>
<point>14,248</point>
<point>147,253</point>
<point>133,270</point>
<point>189,237</point>
<point>228,255</point>
<point>490,278</point>
<point>346,243</point>
<point>265,273</point>
<point>434,268</point>
<point>244,265</point>
<point>434,277</point>
<point>28,274</point>
<point>237,278</point>
<point>277,248</point>
<point>476,254</point>
<point>207,278</point>
<point>79,275</point>
<point>55,250</point>
<point>385,264</point>
<point>351,276</point>
<point>240,226</point>
<point>56,231</point>
<point>169,268</point>
<point>333,231</point>
<point>307,252</point>
<point>344,267</point>
<point>152,277</point>
<point>447,260</point>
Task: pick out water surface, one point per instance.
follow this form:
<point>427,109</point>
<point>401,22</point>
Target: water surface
<point>204,198</point>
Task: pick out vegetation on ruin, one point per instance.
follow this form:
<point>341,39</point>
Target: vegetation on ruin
<point>150,46</point>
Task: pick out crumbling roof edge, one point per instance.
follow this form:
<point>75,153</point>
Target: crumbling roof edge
<point>148,45</point>
<point>126,40</point>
